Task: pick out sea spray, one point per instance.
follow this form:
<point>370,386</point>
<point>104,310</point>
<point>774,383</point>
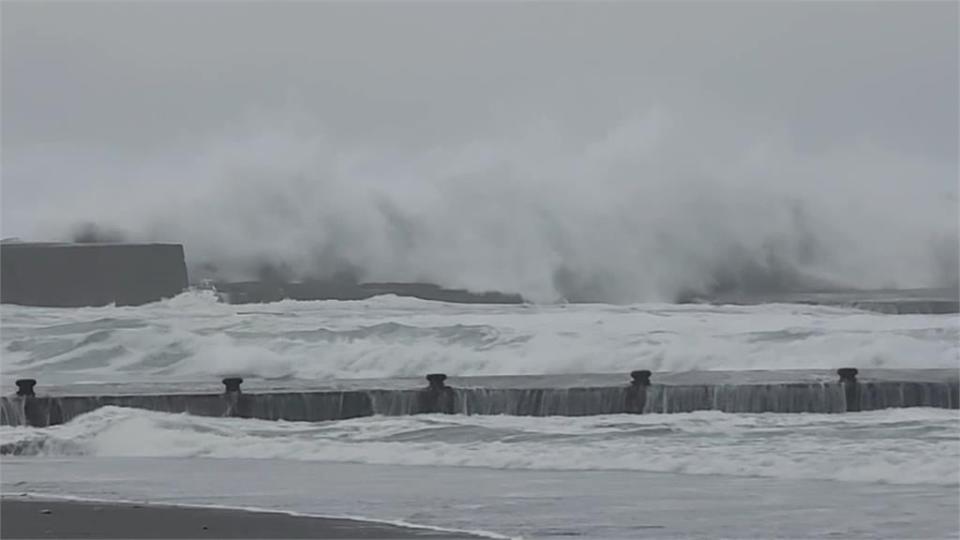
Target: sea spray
<point>657,208</point>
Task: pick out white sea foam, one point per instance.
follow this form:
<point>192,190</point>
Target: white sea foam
<point>904,446</point>
<point>194,337</point>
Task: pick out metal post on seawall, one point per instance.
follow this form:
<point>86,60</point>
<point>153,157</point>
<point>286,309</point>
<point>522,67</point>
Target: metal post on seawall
<point>37,412</point>
<point>237,404</point>
<point>636,397</point>
<point>25,387</point>
<point>851,388</point>
<point>232,384</point>
<point>437,397</point>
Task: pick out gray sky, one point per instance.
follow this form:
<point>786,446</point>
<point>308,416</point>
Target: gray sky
<point>138,74</point>
<point>95,93</point>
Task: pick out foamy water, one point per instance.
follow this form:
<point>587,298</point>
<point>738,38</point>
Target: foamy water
<point>570,475</point>
<point>194,337</point>
<point>904,446</point>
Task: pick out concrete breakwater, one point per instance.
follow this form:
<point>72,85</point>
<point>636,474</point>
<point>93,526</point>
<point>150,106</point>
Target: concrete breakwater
<point>644,393</point>
<point>53,274</point>
<point>76,275</point>
<point>249,292</point>
<point>934,301</point>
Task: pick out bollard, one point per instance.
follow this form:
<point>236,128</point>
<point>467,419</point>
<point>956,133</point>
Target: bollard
<point>437,381</point>
<point>437,397</point>
<point>25,387</point>
<point>636,395</point>
<point>238,404</point>
<point>641,377</point>
<point>37,412</point>
<point>851,389</point>
<point>232,384</point>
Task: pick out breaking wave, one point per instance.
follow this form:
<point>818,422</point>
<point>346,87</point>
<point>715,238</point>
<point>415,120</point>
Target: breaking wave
<point>655,209</point>
<point>902,446</point>
<point>194,337</point>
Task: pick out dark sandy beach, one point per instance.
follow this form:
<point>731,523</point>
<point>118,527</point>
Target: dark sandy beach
<point>33,518</point>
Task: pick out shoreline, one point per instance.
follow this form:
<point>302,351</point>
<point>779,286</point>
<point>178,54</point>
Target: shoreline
<point>49,516</point>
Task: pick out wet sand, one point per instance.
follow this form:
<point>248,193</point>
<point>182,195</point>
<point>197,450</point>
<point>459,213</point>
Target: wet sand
<point>34,518</point>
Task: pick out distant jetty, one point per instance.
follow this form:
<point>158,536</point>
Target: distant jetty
<point>261,291</point>
<point>53,274</point>
<point>95,274</point>
<point>943,300</point>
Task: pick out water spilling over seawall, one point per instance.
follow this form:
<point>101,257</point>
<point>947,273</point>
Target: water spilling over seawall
<point>798,392</point>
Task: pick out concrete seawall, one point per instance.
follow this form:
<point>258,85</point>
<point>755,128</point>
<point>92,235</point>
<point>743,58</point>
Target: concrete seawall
<point>934,301</point>
<point>796,392</point>
<point>248,292</point>
<point>75,275</point>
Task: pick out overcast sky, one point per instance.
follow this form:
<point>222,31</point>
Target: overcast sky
<point>92,90</point>
<point>142,73</point>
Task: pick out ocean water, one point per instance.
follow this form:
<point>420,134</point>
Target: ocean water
<point>515,503</point>
<point>896,446</point>
<point>193,338</point>
<point>889,473</point>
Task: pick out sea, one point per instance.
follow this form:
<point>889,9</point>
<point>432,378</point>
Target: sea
<point>892,473</point>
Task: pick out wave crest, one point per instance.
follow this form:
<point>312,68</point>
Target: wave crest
<point>903,446</point>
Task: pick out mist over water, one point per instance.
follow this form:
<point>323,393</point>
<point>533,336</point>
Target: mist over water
<point>656,208</point>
